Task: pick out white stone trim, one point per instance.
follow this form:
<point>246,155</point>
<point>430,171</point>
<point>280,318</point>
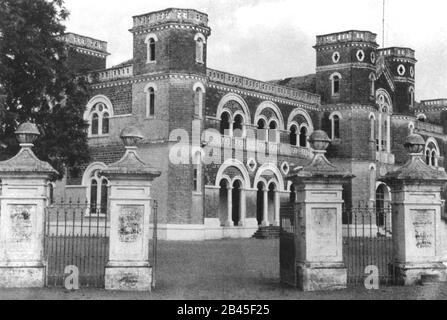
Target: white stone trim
<point>272,167</point>
<point>266,105</point>
<point>233,97</point>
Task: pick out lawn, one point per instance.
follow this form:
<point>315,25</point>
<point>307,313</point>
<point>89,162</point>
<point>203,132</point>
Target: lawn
<point>225,269</point>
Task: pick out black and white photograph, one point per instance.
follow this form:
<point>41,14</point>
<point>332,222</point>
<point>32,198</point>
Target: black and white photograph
<point>223,150</point>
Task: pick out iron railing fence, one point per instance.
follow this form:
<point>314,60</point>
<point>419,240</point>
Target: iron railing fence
<point>368,242</point>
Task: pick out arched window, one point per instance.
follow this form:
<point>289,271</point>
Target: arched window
<point>238,127</point>
<point>422,117</point>
<point>99,112</point>
<point>335,79</point>
<point>273,133</point>
<point>372,121</point>
<point>433,158</point>
<point>225,123</point>
<point>99,197</point>
<point>199,50</point>
<point>151,50</point>
<point>432,152</point>
<point>303,137</point>
<point>262,130</point>
<point>372,79</point>
<point>99,119</point>
<point>95,124</point>
<point>335,125</point>
<point>293,135</point>
<point>150,100</point>
<point>385,107</point>
<point>411,96</point>
<point>198,102</point>
<point>105,123</point>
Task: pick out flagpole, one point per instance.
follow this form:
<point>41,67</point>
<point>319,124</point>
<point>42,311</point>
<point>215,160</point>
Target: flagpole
<point>383,25</point>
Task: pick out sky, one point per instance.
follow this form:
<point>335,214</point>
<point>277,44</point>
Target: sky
<point>273,39</point>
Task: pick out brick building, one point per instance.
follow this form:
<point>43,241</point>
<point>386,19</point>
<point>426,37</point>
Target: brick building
<point>225,143</point>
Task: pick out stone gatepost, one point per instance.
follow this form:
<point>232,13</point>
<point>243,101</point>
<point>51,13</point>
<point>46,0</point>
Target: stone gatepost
<point>318,230</point>
<point>23,200</point>
<point>128,268</point>
<point>416,215</point>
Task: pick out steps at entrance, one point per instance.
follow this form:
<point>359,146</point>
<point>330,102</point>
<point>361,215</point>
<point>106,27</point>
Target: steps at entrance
<point>267,233</point>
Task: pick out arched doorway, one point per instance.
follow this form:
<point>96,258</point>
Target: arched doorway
<point>236,214</point>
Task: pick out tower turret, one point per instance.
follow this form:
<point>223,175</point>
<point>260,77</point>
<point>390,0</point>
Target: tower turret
<point>346,67</point>
<point>170,40</point>
<point>402,63</point>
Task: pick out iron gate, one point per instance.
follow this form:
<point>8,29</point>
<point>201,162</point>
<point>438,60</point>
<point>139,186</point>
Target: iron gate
<point>367,241</point>
<point>76,234</point>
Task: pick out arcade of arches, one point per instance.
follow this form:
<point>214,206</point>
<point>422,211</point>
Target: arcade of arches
<point>234,192</point>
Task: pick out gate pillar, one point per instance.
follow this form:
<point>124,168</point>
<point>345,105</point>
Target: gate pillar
<point>318,228</point>
<point>23,198</point>
<point>416,218</point>
<point>128,268</point>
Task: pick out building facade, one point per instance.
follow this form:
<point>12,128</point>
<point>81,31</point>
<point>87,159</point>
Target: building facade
<point>225,143</point>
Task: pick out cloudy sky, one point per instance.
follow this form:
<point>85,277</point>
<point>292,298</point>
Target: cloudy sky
<point>273,39</point>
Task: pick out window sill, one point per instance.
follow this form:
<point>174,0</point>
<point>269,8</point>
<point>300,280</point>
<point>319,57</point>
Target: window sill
<point>150,118</point>
<point>151,62</point>
<point>197,194</point>
<point>99,136</point>
<point>95,216</point>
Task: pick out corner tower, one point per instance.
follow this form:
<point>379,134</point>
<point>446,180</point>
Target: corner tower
<point>85,54</point>
<point>346,67</point>
<point>171,40</point>
<point>401,63</point>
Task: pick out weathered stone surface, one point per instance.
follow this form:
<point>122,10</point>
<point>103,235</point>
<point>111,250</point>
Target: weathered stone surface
<point>129,278</point>
<point>322,277</point>
<point>22,277</point>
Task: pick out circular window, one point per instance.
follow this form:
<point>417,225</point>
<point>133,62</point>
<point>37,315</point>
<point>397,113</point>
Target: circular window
<point>412,72</point>
<point>285,168</point>
<point>401,70</point>
<point>336,57</point>
<point>360,55</point>
<point>373,57</point>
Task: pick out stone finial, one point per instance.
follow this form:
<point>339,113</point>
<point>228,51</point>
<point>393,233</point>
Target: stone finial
<point>416,169</point>
<point>319,140</point>
<point>26,162</point>
<point>130,137</point>
<point>414,144</point>
<point>26,134</point>
<point>131,166</point>
<point>319,166</point>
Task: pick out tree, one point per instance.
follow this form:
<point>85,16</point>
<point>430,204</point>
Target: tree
<point>36,84</point>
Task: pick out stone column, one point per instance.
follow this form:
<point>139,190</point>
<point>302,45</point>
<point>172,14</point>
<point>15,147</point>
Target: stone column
<point>128,268</point>
<point>318,232</point>
<point>416,203</point>
<point>242,208</point>
<point>265,218</point>
<point>277,205</point>
<point>230,222</point>
<point>22,214</point>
